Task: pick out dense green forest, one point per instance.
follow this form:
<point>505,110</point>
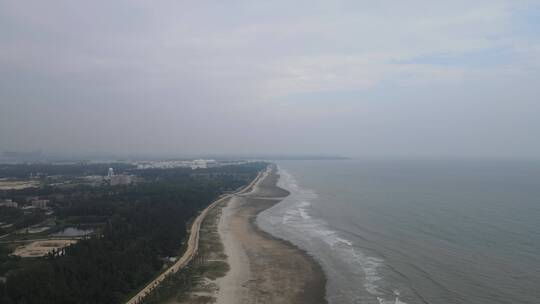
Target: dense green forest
<point>142,224</point>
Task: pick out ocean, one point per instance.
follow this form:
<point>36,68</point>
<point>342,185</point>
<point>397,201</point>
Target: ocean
<point>412,231</point>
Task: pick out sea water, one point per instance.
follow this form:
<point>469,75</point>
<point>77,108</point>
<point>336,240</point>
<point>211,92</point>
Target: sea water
<point>412,231</point>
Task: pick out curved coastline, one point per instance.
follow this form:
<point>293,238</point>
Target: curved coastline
<point>264,268</point>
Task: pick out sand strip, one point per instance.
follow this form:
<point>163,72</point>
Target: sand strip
<point>192,245</point>
<point>264,269</point>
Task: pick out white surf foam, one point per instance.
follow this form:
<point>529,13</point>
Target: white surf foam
<point>297,216</point>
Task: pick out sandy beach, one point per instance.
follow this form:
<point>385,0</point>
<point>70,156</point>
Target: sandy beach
<point>237,263</point>
<point>263,269</point>
<point>192,244</point>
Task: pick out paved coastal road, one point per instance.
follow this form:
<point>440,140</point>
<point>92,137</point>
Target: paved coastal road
<point>193,243</point>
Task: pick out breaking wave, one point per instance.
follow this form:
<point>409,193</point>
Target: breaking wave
<point>292,220</point>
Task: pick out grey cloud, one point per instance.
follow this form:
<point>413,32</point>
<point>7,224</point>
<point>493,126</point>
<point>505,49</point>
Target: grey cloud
<point>268,77</point>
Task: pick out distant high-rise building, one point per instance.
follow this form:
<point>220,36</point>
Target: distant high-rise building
<point>42,203</point>
<point>199,163</point>
<point>110,173</point>
<point>8,203</point>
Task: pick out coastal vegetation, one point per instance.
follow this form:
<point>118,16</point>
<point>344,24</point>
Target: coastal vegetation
<point>196,282</point>
<point>138,228</point>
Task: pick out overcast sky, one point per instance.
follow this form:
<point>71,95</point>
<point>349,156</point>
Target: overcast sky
<point>357,78</point>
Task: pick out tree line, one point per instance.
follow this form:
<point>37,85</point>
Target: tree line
<point>142,225</point>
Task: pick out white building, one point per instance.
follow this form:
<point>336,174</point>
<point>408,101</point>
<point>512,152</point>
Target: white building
<point>42,203</point>
<point>122,179</point>
<point>199,163</point>
<point>8,203</point>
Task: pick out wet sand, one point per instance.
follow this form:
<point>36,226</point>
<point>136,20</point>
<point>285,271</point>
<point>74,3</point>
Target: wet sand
<point>263,269</point>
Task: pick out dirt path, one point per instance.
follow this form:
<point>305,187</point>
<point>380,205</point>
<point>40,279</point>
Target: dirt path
<point>192,244</point>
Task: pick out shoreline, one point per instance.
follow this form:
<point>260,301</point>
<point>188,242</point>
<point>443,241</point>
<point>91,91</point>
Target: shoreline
<point>192,243</point>
<point>264,268</point>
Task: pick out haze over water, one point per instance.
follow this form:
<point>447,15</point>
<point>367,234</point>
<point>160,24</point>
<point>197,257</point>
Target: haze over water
<point>416,231</point>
